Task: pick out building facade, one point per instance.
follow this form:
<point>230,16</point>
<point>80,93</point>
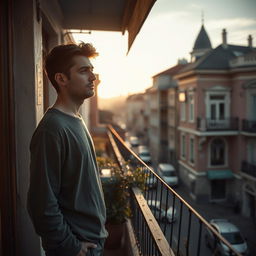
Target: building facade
<point>216,103</point>
<point>163,115</point>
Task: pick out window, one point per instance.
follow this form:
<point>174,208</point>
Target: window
<point>183,111</point>
<point>253,107</point>
<point>252,152</point>
<point>192,151</point>
<point>183,146</point>
<point>217,152</point>
<point>217,107</point>
<point>191,107</point>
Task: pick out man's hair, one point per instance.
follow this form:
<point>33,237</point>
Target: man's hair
<point>60,59</point>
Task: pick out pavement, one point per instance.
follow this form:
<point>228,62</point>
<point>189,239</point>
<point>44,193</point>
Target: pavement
<point>224,211</point>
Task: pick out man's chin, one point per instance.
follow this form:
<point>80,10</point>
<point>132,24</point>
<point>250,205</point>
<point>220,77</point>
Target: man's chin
<point>89,95</point>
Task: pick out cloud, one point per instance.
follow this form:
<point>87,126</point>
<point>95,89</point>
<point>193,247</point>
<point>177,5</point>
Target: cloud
<point>196,6</point>
<point>236,23</point>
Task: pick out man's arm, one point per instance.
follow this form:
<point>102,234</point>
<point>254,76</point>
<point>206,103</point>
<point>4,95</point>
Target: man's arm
<point>42,204</point>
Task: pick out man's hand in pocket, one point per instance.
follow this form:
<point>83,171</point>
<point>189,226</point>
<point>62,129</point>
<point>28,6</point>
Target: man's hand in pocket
<point>85,247</point>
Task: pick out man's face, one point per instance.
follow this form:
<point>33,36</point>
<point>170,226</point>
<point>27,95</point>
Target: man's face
<point>80,86</point>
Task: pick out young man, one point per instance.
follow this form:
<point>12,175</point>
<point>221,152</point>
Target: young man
<point>65,198</point>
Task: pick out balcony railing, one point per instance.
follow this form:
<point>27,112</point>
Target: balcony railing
<point>249,169</point>
<point>163,104</point>
<point>172,226</point>
<point>227,124</point>
<point>249,125</point>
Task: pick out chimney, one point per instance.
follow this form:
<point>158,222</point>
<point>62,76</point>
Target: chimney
<point>224,38</point>
<point>250,41</point>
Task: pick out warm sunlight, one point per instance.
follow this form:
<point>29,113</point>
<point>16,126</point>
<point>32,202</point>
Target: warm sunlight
<point>167,35</point>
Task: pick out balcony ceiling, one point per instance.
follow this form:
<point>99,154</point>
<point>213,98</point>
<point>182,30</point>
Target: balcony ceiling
<point>107,15</point>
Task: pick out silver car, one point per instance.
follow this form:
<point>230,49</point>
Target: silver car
<point>160,211</point>
<point>231,233</point>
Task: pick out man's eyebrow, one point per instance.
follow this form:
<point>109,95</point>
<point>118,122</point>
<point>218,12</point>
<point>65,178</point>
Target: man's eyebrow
<point>86,67</point>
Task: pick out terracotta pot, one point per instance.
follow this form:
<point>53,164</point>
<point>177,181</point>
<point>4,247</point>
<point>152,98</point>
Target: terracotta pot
<point>116,233</point>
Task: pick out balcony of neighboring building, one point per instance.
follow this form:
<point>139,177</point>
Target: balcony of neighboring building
<point>163,103</point>
<point>249,126</point>
<point>221,124</point>
<point>249,168</point>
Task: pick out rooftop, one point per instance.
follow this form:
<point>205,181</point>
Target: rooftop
<point>202,40</point>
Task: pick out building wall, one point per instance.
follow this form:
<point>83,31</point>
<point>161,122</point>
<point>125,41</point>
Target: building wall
<point>29,106</point>
<point>194,175</point>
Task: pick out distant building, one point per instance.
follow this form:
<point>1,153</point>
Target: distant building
<point>135,114</point>
<point>162,116</point>
<point>217,124</point>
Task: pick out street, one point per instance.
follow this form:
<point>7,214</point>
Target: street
<point>189,243</point>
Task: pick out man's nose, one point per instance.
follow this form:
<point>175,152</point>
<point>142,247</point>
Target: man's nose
<point>92,77</point>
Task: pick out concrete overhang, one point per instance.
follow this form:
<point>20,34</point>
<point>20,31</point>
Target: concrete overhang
<point>106,15</point>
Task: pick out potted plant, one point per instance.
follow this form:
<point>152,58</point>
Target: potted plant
<point>117,196</point>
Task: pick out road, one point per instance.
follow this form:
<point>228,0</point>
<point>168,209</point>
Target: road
<point>180,228</point>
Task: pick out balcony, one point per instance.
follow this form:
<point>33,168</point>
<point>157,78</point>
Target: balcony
<point>162,222</point>
<point>249,169</point>
<point>227,124</point>
<point>249,125</point>
<point>163,104</point>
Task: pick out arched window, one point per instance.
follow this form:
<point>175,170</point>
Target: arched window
<point>218,152</point>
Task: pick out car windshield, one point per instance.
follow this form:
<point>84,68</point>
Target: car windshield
<point>144,154</point>
<point>169,173</point>
<point>233,238</point>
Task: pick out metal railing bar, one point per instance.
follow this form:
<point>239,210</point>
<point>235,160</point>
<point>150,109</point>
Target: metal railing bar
<point>199,238</point>
<point>153,227</point>
<point>166,203</point>
<point>179,231</point>
<point>155,199</point>
<point>161,194</point>
<point>188,236</point>
<point>173,205</point>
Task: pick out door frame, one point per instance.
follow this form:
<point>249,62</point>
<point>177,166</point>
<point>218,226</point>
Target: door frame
<point>8,187</point>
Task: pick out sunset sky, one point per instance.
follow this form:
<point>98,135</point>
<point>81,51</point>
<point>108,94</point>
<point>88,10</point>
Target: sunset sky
<point>168,34</point>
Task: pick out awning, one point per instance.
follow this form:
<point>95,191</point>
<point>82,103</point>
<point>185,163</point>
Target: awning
<point>220,174</point>
<point>110,15</point>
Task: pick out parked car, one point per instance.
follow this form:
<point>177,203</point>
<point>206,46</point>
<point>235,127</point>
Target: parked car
<point>151,181</point>
<point>134,141</point>
<point>230,232</point>
<point>168,173</point>
<point>157,208</point>
<point>144,154</point>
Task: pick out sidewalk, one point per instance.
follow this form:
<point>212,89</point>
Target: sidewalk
<point>222,211</point>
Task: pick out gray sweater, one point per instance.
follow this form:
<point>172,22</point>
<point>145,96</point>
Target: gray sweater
<point>65,197</point>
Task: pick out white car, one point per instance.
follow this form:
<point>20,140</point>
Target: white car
<point>144,154</point>
<point>151,181</point>
<point>134,141</point>
<point>168,173</point>
<point>231,233</point>
<point>157,208</point>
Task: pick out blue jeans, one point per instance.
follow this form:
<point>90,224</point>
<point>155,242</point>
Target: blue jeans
<point>91,251</point>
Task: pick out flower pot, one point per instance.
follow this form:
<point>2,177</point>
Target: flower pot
<point>116,234</point>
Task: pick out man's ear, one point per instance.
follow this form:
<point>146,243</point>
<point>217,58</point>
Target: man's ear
<point>61,78</point>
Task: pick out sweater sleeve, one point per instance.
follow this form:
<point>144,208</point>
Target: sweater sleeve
<point>42,201</point>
